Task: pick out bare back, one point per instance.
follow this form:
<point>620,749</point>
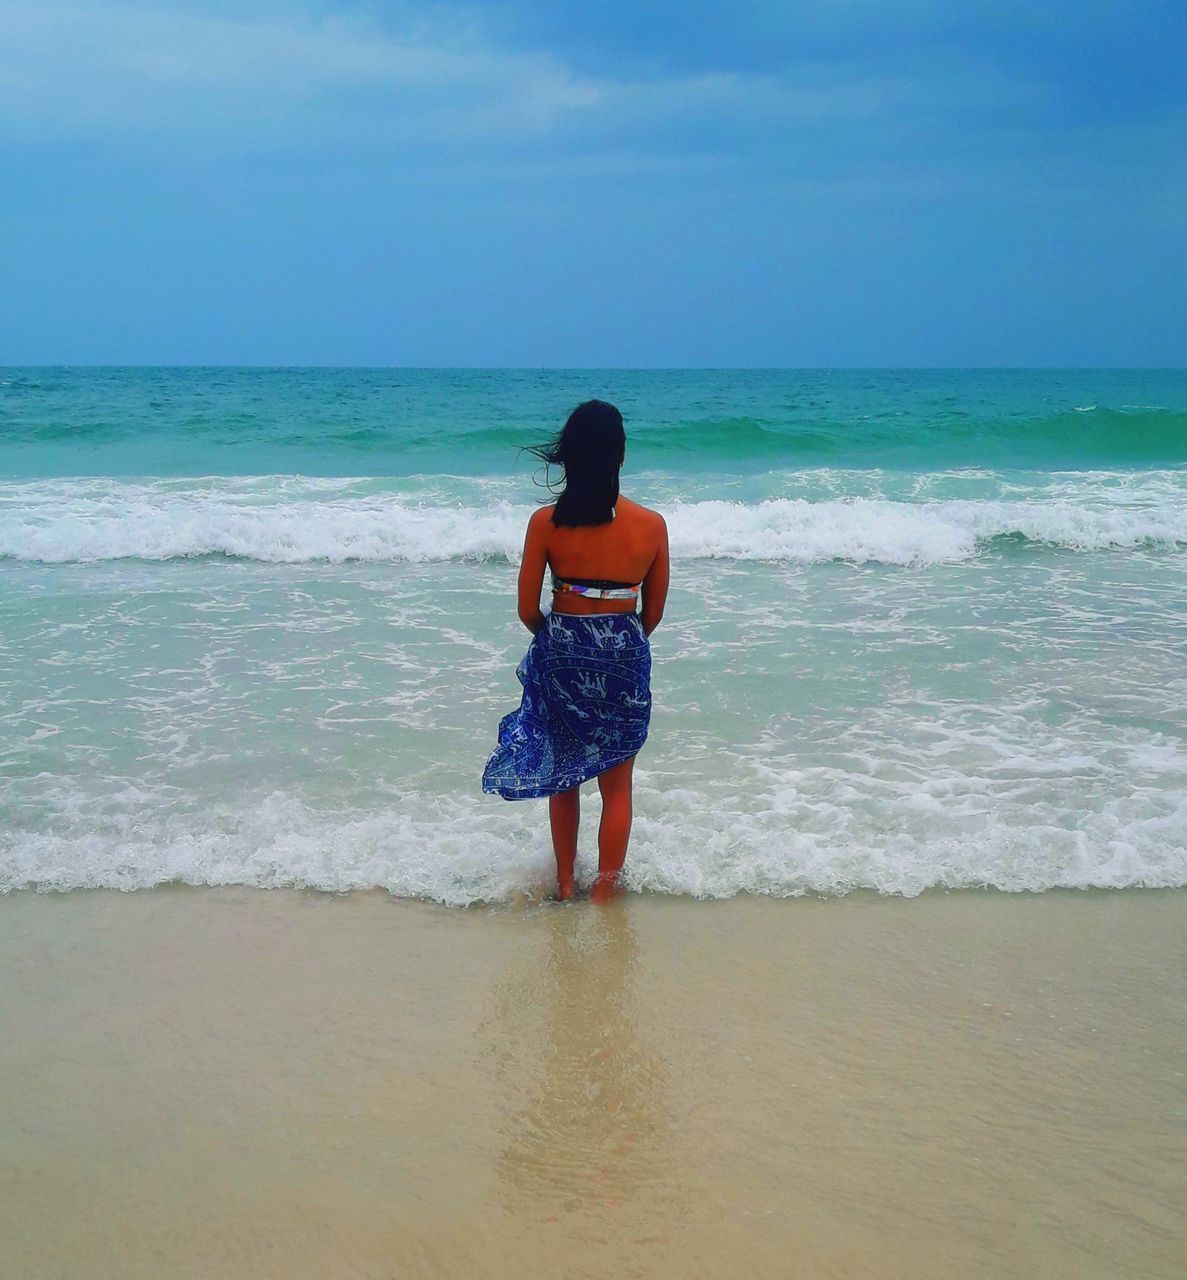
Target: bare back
<point>633,547</point>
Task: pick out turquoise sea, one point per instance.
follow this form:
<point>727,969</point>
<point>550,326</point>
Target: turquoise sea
<point>927,628</point>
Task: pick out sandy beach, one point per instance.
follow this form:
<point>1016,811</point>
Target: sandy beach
<point>243,1083</point>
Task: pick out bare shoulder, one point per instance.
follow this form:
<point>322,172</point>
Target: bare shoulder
<point>642,513</point>
<point>539,531</point>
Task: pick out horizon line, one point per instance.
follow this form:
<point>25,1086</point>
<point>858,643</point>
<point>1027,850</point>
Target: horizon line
<point>606,368</point>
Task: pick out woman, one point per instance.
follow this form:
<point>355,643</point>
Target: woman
<point>587,673</point>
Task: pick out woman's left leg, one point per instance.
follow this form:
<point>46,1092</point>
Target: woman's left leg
<point>564,815</point>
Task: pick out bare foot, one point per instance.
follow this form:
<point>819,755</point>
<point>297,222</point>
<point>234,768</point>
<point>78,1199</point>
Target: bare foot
<point>603,889</point>
<point>565,891</point>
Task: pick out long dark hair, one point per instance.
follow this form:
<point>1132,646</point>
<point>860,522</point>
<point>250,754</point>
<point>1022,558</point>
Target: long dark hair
<point>590,447</point>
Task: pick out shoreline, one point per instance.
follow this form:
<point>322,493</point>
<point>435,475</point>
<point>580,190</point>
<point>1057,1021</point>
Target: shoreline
<point>258,1083</point>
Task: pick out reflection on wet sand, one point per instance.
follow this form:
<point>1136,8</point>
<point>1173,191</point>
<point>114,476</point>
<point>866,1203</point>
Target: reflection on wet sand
<point>589,1131</point>
<point>290,1087</point>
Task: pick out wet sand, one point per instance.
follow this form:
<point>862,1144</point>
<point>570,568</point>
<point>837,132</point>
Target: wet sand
<point>245,1083</point>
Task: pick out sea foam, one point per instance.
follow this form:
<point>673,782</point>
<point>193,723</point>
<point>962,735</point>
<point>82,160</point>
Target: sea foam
<point>790,833</point>
<point>280,520</point>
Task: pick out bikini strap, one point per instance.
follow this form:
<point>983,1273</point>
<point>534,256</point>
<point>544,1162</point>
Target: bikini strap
<point>564,587</point>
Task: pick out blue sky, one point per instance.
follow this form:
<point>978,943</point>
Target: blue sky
<point>648,184</point>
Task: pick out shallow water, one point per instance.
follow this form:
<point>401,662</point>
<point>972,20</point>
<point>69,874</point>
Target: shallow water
<point>926,629</point>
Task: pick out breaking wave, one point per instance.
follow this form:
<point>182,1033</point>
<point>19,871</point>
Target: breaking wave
<point>285,521</point>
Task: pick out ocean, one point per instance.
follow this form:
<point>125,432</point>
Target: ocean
<point>926,628</point>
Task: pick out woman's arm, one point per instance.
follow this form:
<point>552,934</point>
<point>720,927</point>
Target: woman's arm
<point>531,570</point>
<point>655,584</point>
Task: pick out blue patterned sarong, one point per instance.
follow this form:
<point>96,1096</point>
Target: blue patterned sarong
<point>586,705</point>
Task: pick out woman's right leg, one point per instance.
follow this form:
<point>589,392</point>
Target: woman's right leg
<point>615,828</point>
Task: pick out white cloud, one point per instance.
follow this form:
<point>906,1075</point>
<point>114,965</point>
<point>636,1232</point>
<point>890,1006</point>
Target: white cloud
<point>70,70</point>
<point>288,77</point>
